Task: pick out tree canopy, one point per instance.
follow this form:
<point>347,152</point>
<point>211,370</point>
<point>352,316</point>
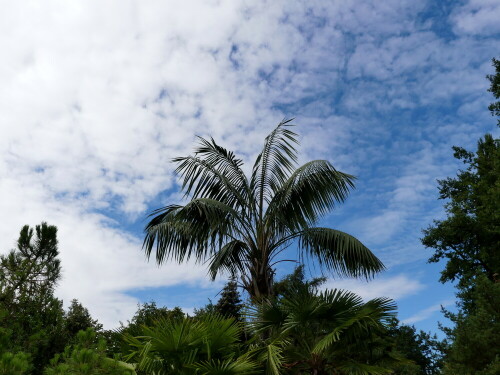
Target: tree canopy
<point>469,240</point>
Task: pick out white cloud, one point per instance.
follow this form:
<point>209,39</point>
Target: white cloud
<point>98,96</point>
<point>479,17</point>
<point>426,313</point>
<point>395,287</point>
<point>100,262</point>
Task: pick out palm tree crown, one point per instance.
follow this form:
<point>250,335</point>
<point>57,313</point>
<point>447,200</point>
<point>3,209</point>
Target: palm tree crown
<point>242,224</point>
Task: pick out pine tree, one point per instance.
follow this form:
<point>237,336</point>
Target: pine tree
<point>30,273</point>
<point>78,318</point>
<point>28,277</point>
<point>495,89</point>
<point>230,304</point>
<point>468,240</point>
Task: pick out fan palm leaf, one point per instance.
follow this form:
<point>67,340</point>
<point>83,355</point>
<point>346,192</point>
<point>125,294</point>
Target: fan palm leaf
<point>329,332</point>
<point>188,346</point>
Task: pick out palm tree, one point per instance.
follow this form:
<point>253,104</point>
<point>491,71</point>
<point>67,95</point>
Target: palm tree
<point>187,346</point>
<point>242,225</point>
<point>332,332</point>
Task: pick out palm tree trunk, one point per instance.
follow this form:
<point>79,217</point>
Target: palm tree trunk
<point>260,283</point>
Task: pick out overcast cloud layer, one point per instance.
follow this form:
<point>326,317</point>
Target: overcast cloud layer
<point>97,96</point>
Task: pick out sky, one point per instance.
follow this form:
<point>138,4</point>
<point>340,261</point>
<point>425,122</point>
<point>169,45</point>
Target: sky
<point>96,98</point>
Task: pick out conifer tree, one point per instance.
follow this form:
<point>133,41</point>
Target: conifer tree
<point>230,304</point>
<point>468,240</point>
<point>78,318</point>
<point>28,277</point>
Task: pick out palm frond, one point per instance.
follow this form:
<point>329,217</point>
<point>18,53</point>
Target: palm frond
<point>273,359</point>
<point>339,252</point>
<point>170,237</point>
<point>357,368</point>
<point>310,192</point>
<point>226,163</point>
<point>341,300</point>
<point>174,346</point>
<point>274,164</point>
<point>220,332</point>
<point>358,321</point>
<point>266,316</point>
<point>238,366</point>
<point>269,353</point>
<point>198,228</point>
<point>229,258</point>
<point>204,179</point>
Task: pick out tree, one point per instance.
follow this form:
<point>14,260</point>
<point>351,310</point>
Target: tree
<point>28,276</point>
<point>208,345</point>
<point>229,304</point>
<point>78,318</point>
<point>332,332</point>
<point>32,270</point>
<point>242,225</point>
<point>423,349</point>
<point>146,315</point>
<point>295,282</point>
<point>476,333</point>
<point>12,363</point>
<point>87,357</point>
<point>495,89</point>
<point>208,309</point>
<point>469,238</point>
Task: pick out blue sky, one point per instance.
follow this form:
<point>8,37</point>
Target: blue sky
<point>98,96</point>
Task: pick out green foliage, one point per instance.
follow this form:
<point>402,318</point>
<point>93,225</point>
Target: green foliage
<point>322,333</point>
<point>78,318</point>
<point>208,309</point>
<point>475,337</point>
<point>12,363</point>
<point>241,224</point>
<point>469,238</point>
<point>495,89</point>
<point>30,273</point>
<point>28,276</point>
<point>295,282</point>
<point>208,345</point>
<point>87,357</point>
<point>229,304</point>
<point>423,349</point>
<point>147,314</point>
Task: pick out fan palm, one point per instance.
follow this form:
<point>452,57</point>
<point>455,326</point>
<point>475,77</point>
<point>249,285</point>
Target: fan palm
<point>206,346</point>
<point>242,224</point>
<point>333,332</point>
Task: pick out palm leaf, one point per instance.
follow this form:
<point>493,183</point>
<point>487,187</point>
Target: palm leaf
<point>274,164</point>
<point>357,368</point>
<point>238,366</point>
<point>311,191</point>
<point>339,252</point>
<point>198,228</point>
<point>228,258</point>
<point>226,163</point>
<point>359,321</point>
<point>204,179</point>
